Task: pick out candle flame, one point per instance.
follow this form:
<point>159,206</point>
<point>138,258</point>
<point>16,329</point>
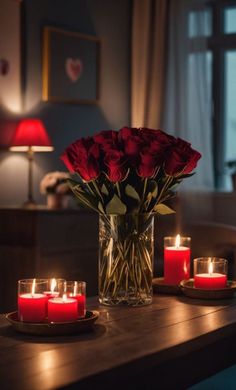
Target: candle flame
<point>210,268</point>
<point>33,287</point>
<point>75,289</point>
<point>177,241</point>
<point>64,297</point>
<point>53,285</point>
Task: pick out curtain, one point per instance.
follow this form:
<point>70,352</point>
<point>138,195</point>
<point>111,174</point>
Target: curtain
<point>148,62</point>
<point>188,103</point>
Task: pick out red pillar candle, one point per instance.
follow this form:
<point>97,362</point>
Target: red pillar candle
<point>62,309</point>
<point>32,308</point>
<point>210,273</point>
<point>77,289</point>
<point>32,303</point>
<point>176,261</point>
<point>81,305</point>
<point>210,281</point>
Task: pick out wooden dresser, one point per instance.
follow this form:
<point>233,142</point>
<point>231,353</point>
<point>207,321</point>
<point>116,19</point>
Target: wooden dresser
<point>45,243</point>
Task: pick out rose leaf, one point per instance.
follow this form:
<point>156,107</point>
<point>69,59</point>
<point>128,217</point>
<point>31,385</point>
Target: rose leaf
<point>130,191</point>
<point>115,206</point>
<point>163,209</point>
<point>100,208</point>
<point>104,190</point>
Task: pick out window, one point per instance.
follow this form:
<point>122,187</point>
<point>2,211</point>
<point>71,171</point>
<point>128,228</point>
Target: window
<point>230,20</point>
<point>212,33</point>
<point>230,104</point>
<point>203,28</point>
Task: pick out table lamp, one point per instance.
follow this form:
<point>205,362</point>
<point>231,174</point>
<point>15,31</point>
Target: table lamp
<point>31,136</point>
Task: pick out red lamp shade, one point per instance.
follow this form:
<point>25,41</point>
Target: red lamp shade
<point>31,134</point>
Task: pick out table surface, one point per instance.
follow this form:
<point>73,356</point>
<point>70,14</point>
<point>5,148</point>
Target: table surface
<point>124,343</point>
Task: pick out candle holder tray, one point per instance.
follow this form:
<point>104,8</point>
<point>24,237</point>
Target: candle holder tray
<point>159,286</point>
<point>53,328</point>
<point>188,289</point>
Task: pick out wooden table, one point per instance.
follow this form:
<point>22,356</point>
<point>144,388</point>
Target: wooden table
<point>170,344</point>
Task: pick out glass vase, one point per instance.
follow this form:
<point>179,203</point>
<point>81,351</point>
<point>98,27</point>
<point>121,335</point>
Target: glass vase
<point>126,252</point>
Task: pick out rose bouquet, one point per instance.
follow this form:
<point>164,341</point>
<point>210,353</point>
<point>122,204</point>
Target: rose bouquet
<point>127,177</point>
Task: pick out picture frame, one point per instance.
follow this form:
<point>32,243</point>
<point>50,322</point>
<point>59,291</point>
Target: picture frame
<point>70,69</point>
<point>11,56</point>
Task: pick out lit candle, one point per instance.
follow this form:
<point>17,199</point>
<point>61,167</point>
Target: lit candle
<point>62,309</point>
<point>52,293</point>
<point>210,280</point>
<point>77,289</point>
<point>32,306</point>
<point>176,260</point>
<point>81,305</point>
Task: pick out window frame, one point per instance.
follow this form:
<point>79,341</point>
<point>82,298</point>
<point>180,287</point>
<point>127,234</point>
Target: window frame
<point>218,43</point>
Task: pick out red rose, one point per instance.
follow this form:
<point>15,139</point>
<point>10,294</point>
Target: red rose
<point>127,132</point>
<point>83,157</point>
<point>107,139</point>
<point>116,163</point>
<point>150,135</point>
<point>181,158</point>
<point>148,163</point>
<point>133,146</point>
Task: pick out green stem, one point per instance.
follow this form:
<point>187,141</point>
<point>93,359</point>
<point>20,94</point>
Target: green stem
<point>84,200</point>
<point>164,188</point>
<point>97,190</point>
<point>144,187</point>
<point>118,189</point>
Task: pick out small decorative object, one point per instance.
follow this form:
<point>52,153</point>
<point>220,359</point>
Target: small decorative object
<point>176,259</point>
<point>210,273</point>
<point>55,186</point>
<point>77,289</point>
<point>127,177</point>
<point>32,302</point>
<point>188,289</point>
<point>53,328</point>
<point>30,136</point>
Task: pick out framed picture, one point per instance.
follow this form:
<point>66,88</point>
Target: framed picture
<point>11,53</point>
<point>70,67</point>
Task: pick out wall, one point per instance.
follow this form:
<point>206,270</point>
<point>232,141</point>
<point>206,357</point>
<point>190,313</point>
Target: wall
<point>108,20</point>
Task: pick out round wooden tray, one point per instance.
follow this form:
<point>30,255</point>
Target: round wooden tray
<point>53,329</point>
<point>189,290</point>
<point>159,286</point>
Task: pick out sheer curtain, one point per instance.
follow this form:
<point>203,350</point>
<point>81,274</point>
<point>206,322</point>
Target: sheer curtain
<point>182,105</point>
<point>188,103</point>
